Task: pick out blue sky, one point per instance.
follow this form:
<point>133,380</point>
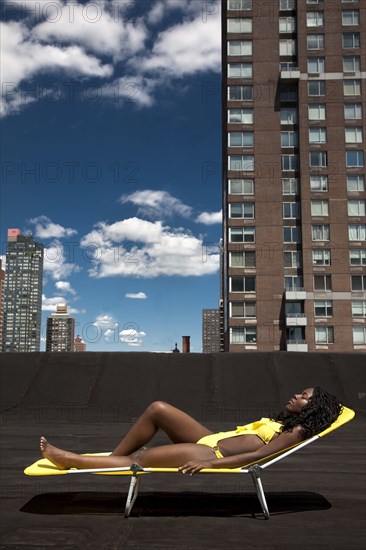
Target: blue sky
<point>111,156</point>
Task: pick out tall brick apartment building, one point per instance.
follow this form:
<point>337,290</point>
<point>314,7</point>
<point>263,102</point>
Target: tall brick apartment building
<point>294,90</point>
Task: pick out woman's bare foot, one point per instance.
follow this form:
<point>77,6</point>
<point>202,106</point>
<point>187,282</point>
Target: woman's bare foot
<point>58,457</point>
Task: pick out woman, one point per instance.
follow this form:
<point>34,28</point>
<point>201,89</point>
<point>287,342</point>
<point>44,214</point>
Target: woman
<point>194,447</point>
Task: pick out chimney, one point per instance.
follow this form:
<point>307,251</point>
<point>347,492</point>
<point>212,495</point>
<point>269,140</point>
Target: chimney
<point>186,344</point>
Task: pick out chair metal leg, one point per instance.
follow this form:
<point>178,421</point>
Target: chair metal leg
<point>255,472</point>
<point>132,494</point>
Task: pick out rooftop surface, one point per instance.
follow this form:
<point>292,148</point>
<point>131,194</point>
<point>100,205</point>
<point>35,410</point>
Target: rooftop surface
<point>316,497</point>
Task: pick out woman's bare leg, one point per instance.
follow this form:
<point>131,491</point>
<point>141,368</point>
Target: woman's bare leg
<point>166,456</point>
<point>178,426</point>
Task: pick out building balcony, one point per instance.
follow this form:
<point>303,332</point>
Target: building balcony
<point>295,294</point>
<point>296,320</point>
<point>296,345</point>
<point>289,71</point>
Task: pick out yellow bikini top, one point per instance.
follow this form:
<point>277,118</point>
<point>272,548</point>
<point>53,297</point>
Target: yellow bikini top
<point>264,428</point>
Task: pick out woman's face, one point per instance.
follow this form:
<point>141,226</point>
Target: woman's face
<point>298,401</point>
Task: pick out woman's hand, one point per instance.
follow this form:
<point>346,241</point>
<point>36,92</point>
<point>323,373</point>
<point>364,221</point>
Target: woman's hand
<point>193,466</point>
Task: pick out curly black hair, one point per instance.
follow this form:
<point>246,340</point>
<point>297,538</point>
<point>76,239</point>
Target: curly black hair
<point>320,412</point>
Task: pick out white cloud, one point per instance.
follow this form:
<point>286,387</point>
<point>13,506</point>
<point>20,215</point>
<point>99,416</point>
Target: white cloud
<point>136,295</point>
<point>55,262</point>
<point>161,250</point>
<point>132,336</point>
<point>157,204</point>
<point>185,49</point>
<point>65,286</point>
<point>210,218</point>
<point>104,321</point>
<point>23,58</point>
<point>135,89</point>
<point>95,26</point>
<point>91,39</point>
<point>50,304</point>
<point>46,229</point>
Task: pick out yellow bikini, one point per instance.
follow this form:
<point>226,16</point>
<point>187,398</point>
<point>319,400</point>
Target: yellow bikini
<point>264,428</point>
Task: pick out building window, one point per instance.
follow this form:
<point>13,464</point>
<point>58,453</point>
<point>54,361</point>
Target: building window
<point>290,162</point>
<point>317,135</point>
<point>240,70</point>
<point>322,283</point>
<point>293,282</point>
<point>323,308</point>
<point>241,186</point>
<point>356,207</point>
<point>243,335</point>
<point>288,94</point>
<point>243,210</point>
<point>316,111</point>
<point>241,163</point>
<point>315,41</point>
<point>318,183</point>
<point>240,139</point>
<point>353,135</point>
<point>287,5</point>
<point>314,19</point>
<point>316,88</point>
<point>356,183</point>
<point>321,256</point>
<point>357,257</point>
<point>242,284</point>
<point>349,1</point>
<point>358,283</point>
<point>320,232</point>
<point>291,234</point>
<point>351,40</point>
<point>287,46</point>
<point>239,47</point>
<point>318,159</point>
<point>292,258</point>
<point>353,111</point>
<point>243,309</point>
<point>354,159</point>
<point>314,1</point>
<point>242,259</point>
<point>240,93</point>
<point>351,64</point>
<point>358,308</point>
<point>352,87</point>
<point>350,17</point>
<point>316,65</point>
<point>320,208</point>
<point>241,234</point>
<point>289,139</point>
<point>357,232</point>
<point>324,335</point>
<point>287,24</point>
<point>239,24</point>
<point>240,116</point>
<point>239,5</point>
<point>359,335</point>
<point>290,186</point>
<point>288,115</point>
<point>291,210</point>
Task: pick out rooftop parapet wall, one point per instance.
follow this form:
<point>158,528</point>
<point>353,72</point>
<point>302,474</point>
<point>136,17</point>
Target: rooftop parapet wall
<point>116,387</point>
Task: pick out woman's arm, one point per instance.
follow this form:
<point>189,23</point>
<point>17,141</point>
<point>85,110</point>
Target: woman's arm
<point>283,441</point>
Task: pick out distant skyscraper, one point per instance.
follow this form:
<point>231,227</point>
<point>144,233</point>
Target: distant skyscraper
<point>79,344</point>
<point>22,293</point>
<point>211,330</point>
<point>60,330</point>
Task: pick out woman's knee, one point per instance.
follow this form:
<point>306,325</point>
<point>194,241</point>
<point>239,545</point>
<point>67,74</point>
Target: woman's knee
<point>157,409</point>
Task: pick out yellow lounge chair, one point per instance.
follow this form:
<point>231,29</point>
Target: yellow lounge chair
<point>44,467</point>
